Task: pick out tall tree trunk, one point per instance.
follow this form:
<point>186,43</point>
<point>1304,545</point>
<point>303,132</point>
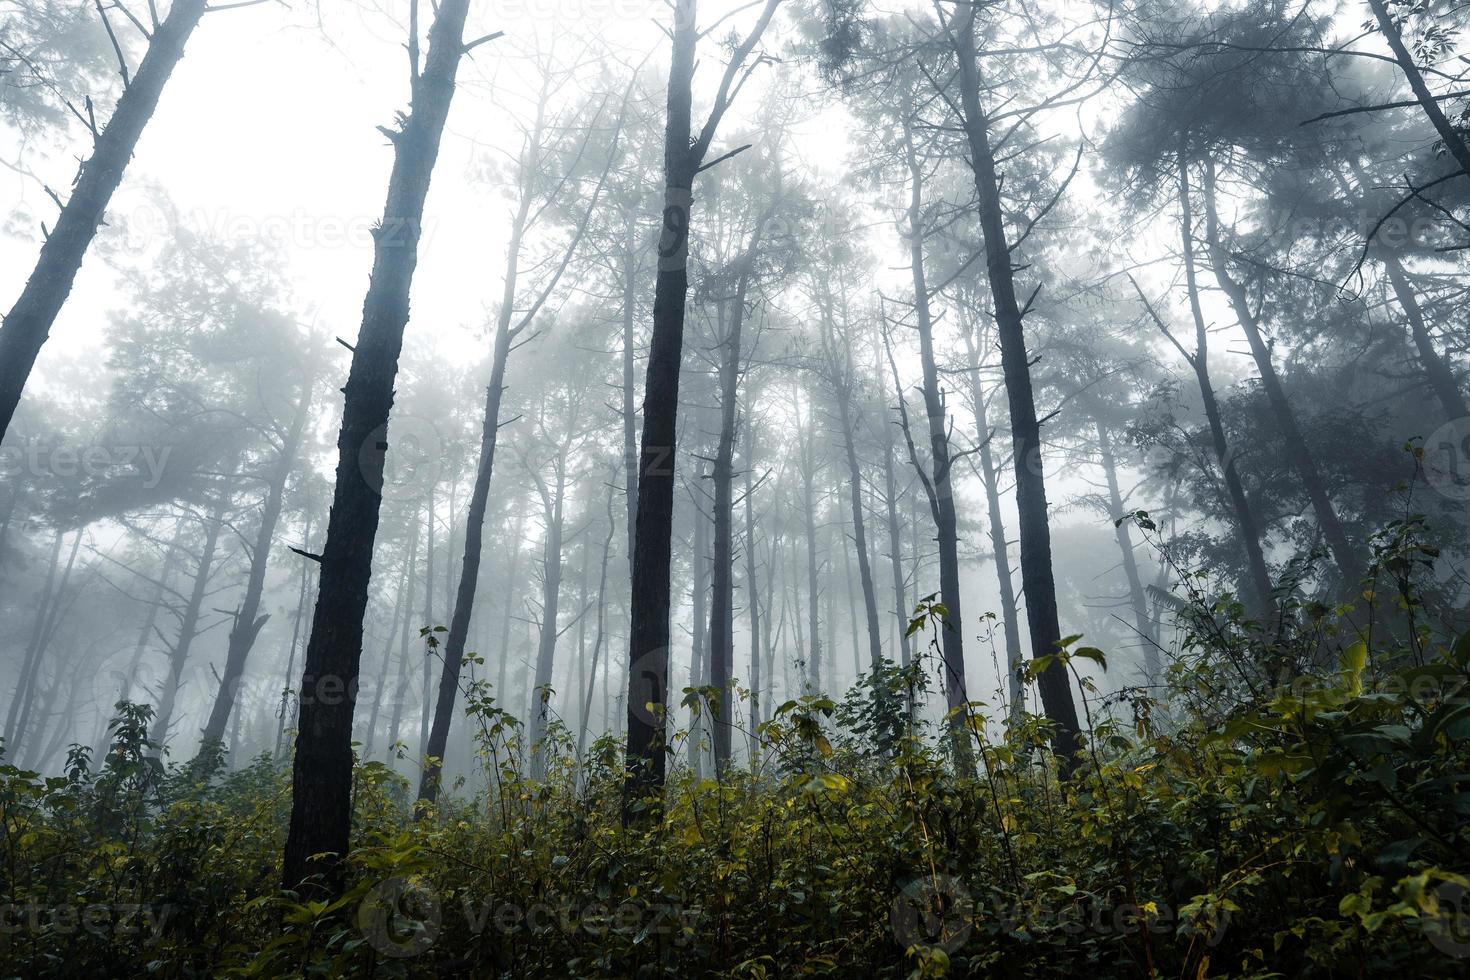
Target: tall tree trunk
<point>940,486</point>
<point>53,617</point>
<point>807,438</point>
<point>1037,581</point>
<point>598,638</point>
<point>248,621</point>
<point>648,678</point>
<point>699,625</point>
<point>321,799</point>
<point>189,623</point>
<point>512,580</point>
<point>28,324</point>
<point>1124,536</point>
<point>722,605</point>
<point>648,673</point>
<point>752,591</point>
<point>1296,444</point>
<point>380,682</point>
<point>990,478</point>
<point>425,706</point>
<point>901,608</point>
<point>550,600</point>
<point>630,417</point>
<point>405,638</point>
<point>145,633</point>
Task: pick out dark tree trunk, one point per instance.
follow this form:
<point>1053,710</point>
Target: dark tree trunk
<point>29,322</point>
<point>1296,444</point>
<point>248,620</point>
<point>630,417</point>
<point>321,800</point>
<point>648,648</point>
<point>648,676</point>
<point>699,625</point>
<point>1037,581</point>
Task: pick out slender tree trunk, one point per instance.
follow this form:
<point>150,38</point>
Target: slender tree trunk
<point>990,478</point>
<point>598,638</point>
<point>380,682</point>
<point>248,621</point>
<point>699,624</point>
<point>630,417</point>
<point>301,596</point>
<point>53,616</point>
<point>425,707</point>
<point>1436,368</point>
<point>901,608</point>
<point>20,703</point>
<point>28,324</point>
<point>752,591</point>
<point>1037,581</point>
<point>1124,536</point>
<point>1446,130</point>
<point>321,799</point>
<point>722,605</point>
<point>189,624</point>
<point>1296,444</point>
<point>941,492</point>
<point>510,595</point>
<point>550,600</point>
<point>145,633</point>
<point>400,690</point>
<point>814,589</point>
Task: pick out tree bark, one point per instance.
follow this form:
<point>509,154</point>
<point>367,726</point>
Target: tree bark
<point>28,324</point>
<point>1124,536</point>
<point>20,703</point>
<point>1037,581</point>
<point>321,799</point>
<point>550,601</point>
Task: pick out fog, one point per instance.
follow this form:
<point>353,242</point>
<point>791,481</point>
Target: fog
<point>470,395</point>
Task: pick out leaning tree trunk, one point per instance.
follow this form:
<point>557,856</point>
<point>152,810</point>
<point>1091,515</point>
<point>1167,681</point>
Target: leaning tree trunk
<point>1453,142</point>
<point>29,321</point>
<point>990,478</point>
<point>248,620</point>
<point>1037,581</point>
<point>1296,444</point>
<point>321,800</point>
